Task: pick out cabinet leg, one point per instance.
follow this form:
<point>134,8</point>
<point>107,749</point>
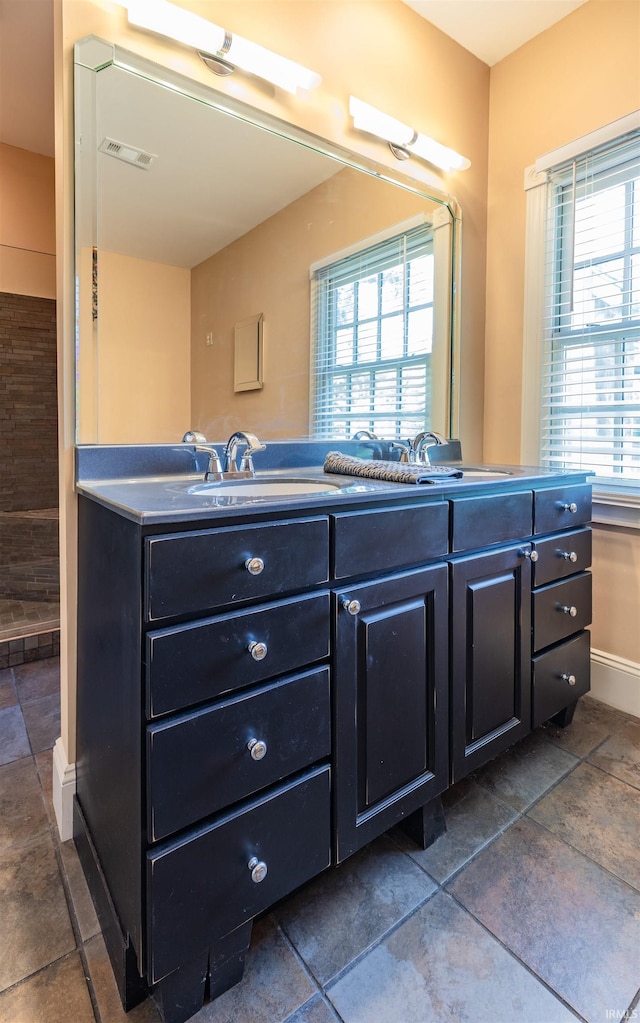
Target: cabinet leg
<point>181,994</point>
<point>226,960</point>
<point>425,824</point>
<point>565,717</point>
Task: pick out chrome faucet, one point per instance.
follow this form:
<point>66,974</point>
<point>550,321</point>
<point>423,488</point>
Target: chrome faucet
<point>246,461</point>
<point>414,450</point>
<point>422,441</point>
<point>364,435</point>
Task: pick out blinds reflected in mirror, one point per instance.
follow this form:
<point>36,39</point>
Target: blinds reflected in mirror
<point>591,343</point>
<point>373,337</point>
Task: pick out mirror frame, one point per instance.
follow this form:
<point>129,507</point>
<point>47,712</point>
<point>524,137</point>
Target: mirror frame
<point>92,55</point>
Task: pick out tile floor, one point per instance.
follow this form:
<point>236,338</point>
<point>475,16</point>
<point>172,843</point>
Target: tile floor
<point>526,911</point>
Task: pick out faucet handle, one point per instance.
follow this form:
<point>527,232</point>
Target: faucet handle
<point>214,469</point>
<point>404,448</point>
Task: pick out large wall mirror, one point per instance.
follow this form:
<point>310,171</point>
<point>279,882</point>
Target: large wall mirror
<point>228,265</point>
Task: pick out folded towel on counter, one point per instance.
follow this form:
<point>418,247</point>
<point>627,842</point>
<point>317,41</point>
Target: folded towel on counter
<point>390,472</point>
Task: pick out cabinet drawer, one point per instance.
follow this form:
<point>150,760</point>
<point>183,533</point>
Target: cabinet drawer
<point>553,605</point>
<point>377,541</point>
<point>190,572</point>
<point>561,508</point>
<point>203,761</point>
<point>498,518</point>
<point>560,676</point>
<point>192,663</point>
<point>562,555</point>
<point>200,888</point>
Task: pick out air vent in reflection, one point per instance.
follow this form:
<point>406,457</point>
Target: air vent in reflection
<point>136,157</point>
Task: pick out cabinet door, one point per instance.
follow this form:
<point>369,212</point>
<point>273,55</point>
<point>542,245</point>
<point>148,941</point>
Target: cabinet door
<point>490,655</point>
<point>391,728</point>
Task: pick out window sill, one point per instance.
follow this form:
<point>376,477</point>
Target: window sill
<point>614,507</point>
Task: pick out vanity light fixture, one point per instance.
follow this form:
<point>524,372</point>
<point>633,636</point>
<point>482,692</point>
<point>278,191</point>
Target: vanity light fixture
<point>221,51</point>
<point>403,140</point>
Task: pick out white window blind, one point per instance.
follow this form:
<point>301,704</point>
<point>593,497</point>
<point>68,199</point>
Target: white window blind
<point>590,400</point>
<point>373,331</point>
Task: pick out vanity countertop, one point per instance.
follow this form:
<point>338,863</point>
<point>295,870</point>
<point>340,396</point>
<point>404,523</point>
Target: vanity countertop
<point>181,497</point>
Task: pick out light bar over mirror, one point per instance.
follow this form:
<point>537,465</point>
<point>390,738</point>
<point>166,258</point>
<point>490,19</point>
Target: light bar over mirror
<point>403,140</point>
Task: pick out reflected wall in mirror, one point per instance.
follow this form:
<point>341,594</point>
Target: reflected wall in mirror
<point>195,213</point>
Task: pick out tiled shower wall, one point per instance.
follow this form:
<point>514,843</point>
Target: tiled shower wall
<point>29,568</point>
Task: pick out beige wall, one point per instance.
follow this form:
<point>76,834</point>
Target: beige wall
<point>578,75</point>
<point>27,223</point>
<point>142,353</point>
<point>267,271</point>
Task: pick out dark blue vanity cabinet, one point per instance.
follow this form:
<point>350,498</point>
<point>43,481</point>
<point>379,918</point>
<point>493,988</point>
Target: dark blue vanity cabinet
<point>262,693</point>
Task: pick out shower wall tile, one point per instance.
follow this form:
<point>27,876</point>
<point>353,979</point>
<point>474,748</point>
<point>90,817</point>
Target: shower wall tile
<point>28,427</point>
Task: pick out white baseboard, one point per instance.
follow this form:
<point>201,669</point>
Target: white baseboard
<point>615,681</point>
<point>64,788</point>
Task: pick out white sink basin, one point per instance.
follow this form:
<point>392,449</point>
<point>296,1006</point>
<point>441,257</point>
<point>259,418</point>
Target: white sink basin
<point>263,488</point>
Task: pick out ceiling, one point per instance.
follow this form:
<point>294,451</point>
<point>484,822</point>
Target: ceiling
<point>491,29</point>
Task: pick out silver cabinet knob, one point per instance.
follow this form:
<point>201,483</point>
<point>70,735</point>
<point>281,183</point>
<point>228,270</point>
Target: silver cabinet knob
<point>573,507</point>
<point>531,555</point>
<point>352,607</point>
<point>258,868</point>
<point>257,748</point>
<point>571,679</point>
<point>254,565</point>
<point>569,556</point>
<point>257,650</point>
<point>566,610</point>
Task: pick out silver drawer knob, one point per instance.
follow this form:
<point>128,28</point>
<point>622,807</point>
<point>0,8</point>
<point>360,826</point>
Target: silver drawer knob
<point>573,507</point>
<point>257,748</point>
<point>566,610</point>
<point>571,679</point>
<point>258,869</point>
<point>531,555</point>
<point>352,607</point>
<point>257,650</point>
<point>569,556</point>
<point>254,565</point>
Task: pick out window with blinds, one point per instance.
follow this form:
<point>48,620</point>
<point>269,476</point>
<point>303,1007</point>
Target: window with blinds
<point>590,416</point>
<point>373,330</point>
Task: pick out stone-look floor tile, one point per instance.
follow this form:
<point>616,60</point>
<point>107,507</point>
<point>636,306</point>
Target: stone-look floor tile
<point>273,987</point>
<point>42,718</point>
<point>58,994</point>
<point>472,821</point>
<point>592,723</point>
<point>599,815</point>
<point>620,754</point>
<point>44,763</point>
<point>14,741</point>
<point>575,925</point>
<point>36,928</point>
<point>81,900</point>
<point>8,694</point>
<point>22,809</point>
<point>441,966</point>
<point>314,1011</point>
<point>37,679</point>
<point>525,771</point>
<point>106,991</point>
<point>340,914</point>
